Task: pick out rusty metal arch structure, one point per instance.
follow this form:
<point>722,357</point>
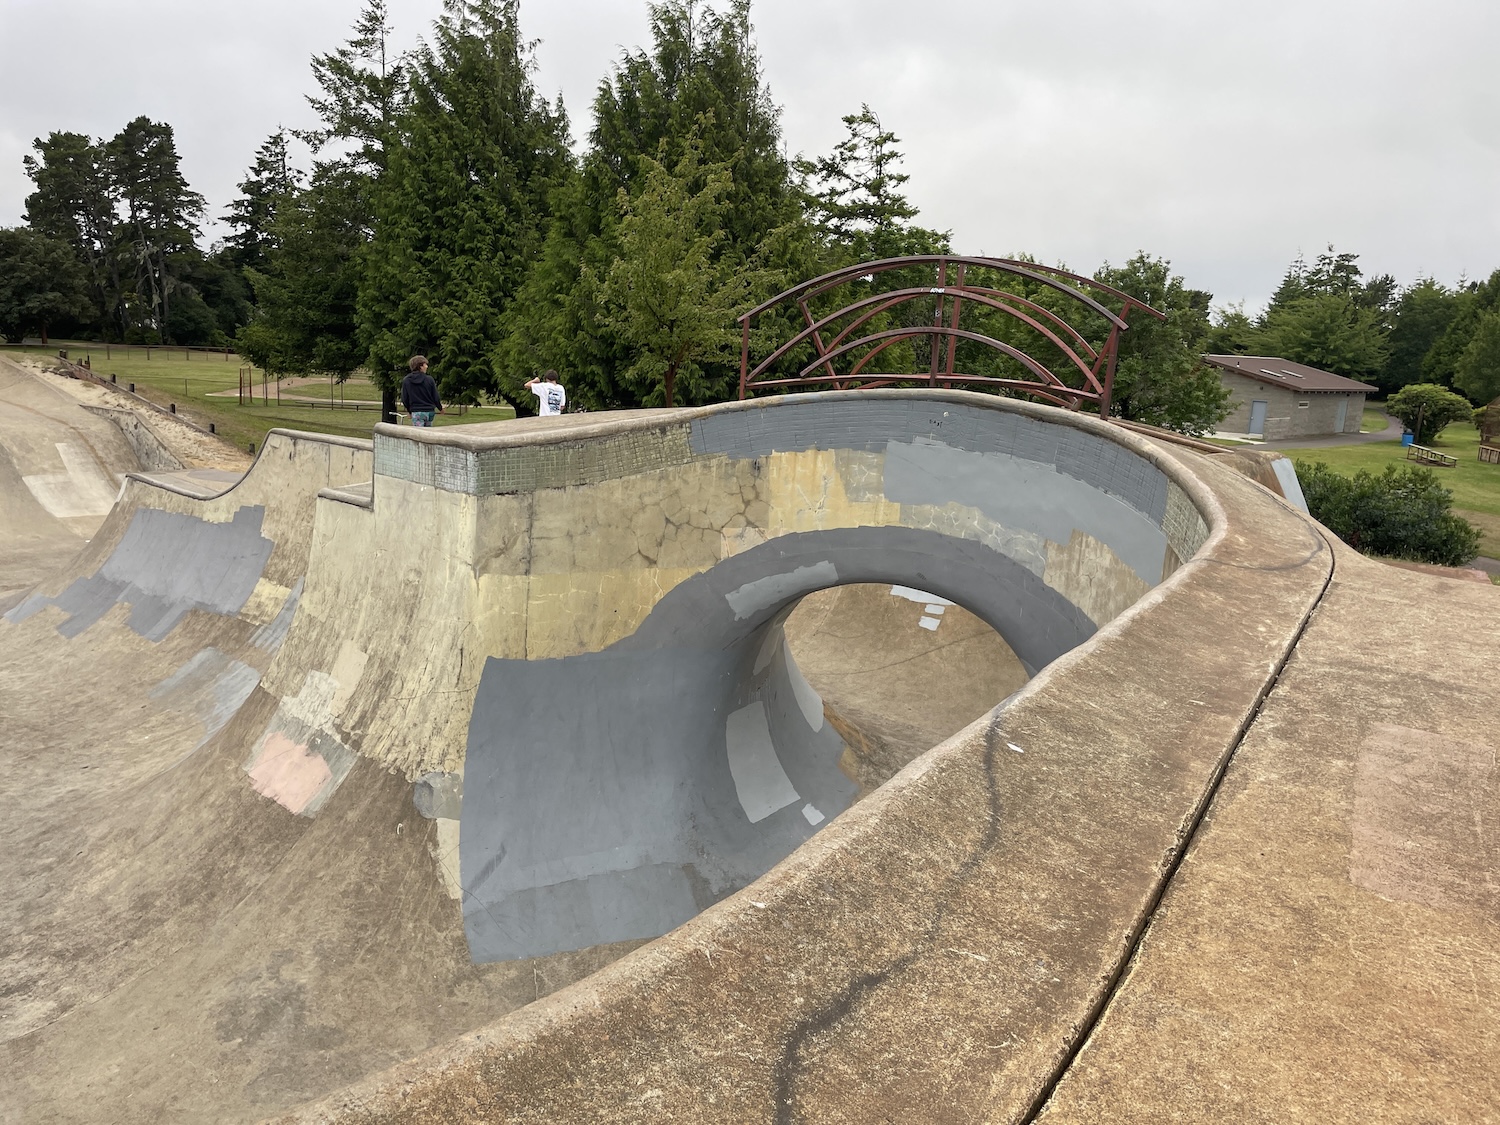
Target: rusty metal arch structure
<point>843,354</point>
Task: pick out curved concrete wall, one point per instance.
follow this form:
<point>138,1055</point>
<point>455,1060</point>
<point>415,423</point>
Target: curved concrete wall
<point>610,794</point>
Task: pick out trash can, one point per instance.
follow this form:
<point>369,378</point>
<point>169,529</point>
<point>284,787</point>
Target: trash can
<point>1407,439</point>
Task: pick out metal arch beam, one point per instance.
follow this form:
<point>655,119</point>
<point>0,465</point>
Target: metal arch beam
<point>1097,378</point>
<point>894,335</point>
<point>819,285</point>
<point>882,302</point>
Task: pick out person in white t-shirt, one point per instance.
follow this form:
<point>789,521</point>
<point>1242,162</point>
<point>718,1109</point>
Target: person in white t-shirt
<point>550,396</point>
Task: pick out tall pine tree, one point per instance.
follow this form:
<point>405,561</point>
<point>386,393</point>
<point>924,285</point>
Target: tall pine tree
<point>73,203</point>
<point>160,220</point>
<point>307,284</point>
<point>266,191</point>
<point>699,85</point>
<point>461,208</point>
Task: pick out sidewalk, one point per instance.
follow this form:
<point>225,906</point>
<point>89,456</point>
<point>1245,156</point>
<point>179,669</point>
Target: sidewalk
<point>1392,432</point>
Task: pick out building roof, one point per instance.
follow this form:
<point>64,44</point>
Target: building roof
<point>1284,373</point>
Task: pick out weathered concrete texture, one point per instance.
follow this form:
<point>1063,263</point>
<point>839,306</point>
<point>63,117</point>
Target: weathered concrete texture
<point>204,919</point>
<point>60,469</point>
<point>932,953</point>
<point>124,848</point>
<point>177,946</point>
<point>898,671</point>
<point>149,449</point>
<point>1330,949</point>
<point>579,564</point>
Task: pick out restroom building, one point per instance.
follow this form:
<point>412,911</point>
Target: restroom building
<point>1277,399</point>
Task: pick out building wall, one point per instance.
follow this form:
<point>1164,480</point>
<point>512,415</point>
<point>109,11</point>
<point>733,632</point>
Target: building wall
<point>1286,414</point>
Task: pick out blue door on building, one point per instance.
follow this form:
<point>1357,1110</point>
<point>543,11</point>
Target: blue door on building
<point>1258,417</point>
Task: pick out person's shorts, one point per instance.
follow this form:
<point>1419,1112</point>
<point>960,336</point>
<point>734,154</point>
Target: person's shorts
<point>423,417</point>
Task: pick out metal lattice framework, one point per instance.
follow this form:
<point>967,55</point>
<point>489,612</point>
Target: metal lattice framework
<point>846,345</point>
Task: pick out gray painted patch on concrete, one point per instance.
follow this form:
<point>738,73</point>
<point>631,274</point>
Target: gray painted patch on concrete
<point>1291,487</point>
<point>760,782</point>
<point>212,686</point>
<point>850,421</point>
<point>438,796</point>
<point>27,607</point>
<point>620,815</point>
<point>775,589</point>
<point>270,635</point>
<point>165,566</point>
<point>1024,494</point>
<point>808,699</point>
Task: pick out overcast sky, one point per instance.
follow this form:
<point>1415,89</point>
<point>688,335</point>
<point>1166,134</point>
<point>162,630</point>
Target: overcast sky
<point>1224,136</point>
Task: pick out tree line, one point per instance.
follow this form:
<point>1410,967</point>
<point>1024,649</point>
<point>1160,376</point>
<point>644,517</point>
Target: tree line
<point>445,211</point>
<point>1329,315</point>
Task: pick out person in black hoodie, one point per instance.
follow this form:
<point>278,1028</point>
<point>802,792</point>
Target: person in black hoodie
<point>419,393</point>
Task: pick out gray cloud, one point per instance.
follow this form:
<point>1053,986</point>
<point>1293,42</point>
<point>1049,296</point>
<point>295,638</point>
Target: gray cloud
<point>1226,137</point>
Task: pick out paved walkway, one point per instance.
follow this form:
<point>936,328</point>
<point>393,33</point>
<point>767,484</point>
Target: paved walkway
<point>1330,948</point>
<point>1392,432</point>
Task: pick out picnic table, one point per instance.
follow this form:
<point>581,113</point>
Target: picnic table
<point>1430,456</point>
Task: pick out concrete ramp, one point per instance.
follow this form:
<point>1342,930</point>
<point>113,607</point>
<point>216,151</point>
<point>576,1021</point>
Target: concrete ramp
<point>60,470</point>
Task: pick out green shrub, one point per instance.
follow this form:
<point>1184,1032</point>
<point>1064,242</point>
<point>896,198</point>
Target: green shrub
<point>1401,514</point>
<point>1434,406</point>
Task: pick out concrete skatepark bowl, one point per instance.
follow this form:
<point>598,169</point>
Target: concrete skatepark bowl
<point>482,754</point>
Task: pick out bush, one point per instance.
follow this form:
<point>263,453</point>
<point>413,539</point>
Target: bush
<point>1401,514</point>
<point>1436,406</point>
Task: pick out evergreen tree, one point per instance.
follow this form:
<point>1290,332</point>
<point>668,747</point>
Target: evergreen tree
<point>1232,332</point>
<point>668,296</point>
<point>1328,317</point>
<point>363,86</point>
<point>1472,302</point>
<point>1477,373</point>
<point>699,85</point>
<point>1159,379</point>
<point>460,210</point>
<point>160,218</point>
<point>41,283</point>
<point>856,197</point>
<point>1423,313</point>
<point>315,238</point>
<point>305,317</point>
<point>267,189</point>
<point>73,203</point>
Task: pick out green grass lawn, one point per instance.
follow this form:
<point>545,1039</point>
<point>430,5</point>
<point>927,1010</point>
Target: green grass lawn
<point>1475,485</point>
<point>171,377</point>
<point>1373,421</point>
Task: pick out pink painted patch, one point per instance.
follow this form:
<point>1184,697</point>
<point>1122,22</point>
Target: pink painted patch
<point>287,773</point>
